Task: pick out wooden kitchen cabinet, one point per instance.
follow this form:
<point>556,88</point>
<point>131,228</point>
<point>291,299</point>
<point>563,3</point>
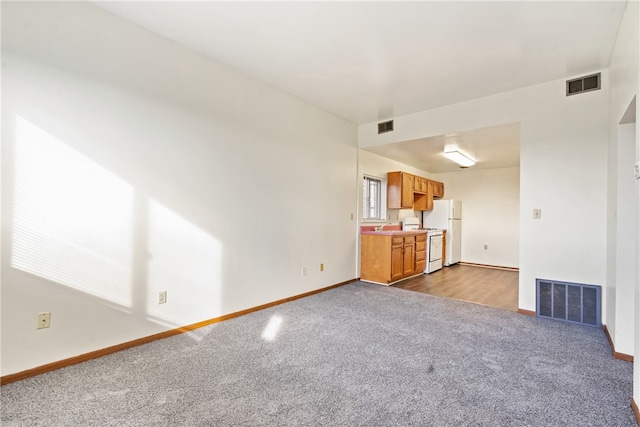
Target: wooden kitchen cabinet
<point>408,256</point>
<point>421,252</point>
<point>400,190</point>
<point>387,258</point>
<point>444,247</point>
<point>429,197</point>
<point>397,258</point>
<point>407,191</point>
<point>419,184</point>
<point>438,189</point>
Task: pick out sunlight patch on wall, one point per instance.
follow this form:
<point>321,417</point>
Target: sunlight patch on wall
<point>72,220</point>
<point>185,261</point>
<point>273,327</point>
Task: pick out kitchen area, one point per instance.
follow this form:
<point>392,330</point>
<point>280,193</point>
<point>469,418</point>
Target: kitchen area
<point>421,244</point>
<point>418,245</point>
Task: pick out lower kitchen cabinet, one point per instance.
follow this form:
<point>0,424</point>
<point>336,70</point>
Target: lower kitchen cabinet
<point>421,252</point>
<point>387,258</point>
<point>397,259</point>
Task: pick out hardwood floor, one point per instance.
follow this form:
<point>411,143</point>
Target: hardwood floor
<point>488,286</point>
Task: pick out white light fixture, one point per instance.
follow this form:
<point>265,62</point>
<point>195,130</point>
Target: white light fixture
<point>459,158</point>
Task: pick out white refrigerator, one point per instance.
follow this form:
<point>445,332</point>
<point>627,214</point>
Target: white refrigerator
<point>447,215</point>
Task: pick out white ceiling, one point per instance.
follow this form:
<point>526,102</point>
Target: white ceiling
<point>494,147</point>
<point>370,61</point>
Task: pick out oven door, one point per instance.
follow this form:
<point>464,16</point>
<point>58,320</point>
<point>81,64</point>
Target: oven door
<point>435,248</point>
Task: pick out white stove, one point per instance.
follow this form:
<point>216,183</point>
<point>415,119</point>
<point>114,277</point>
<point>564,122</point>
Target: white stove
<point>411,223</point>
<point>434,250</point>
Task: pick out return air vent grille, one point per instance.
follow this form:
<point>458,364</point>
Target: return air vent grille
<point>570,302</point>
<point>583,84</point>
<point>385,127</point>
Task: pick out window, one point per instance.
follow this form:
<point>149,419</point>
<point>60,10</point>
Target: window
<point>373,206</point>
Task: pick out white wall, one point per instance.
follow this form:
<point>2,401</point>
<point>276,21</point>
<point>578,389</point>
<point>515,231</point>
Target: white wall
<point>563,148</point>
<point>627,255</point>
<point>623,221</point>
<point>490,211</point>
<point>162,170</point>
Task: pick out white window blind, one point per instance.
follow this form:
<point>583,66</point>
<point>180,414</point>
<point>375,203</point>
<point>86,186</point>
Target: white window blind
<point>373,199</point>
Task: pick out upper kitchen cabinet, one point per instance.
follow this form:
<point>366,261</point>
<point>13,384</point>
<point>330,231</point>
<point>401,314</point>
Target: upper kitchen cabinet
<point>419,185</point>
<point>438,189</point>
<point>400,190</point>
<point>406,191</point>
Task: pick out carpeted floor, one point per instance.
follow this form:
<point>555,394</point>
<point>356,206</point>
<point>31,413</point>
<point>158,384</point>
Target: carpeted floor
<point>358,355</point>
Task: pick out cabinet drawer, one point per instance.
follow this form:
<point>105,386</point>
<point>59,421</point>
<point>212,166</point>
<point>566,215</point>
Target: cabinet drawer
<point>421,255</point>
<point>420,265</point>
<point>421,246</point>
<point>421,238</point>
<point>397,241</point>
<point>409,239</point>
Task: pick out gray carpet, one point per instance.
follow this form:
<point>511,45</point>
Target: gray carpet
<point>358,355</point>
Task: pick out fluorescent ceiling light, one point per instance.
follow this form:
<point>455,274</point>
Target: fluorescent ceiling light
<point>459,158</point>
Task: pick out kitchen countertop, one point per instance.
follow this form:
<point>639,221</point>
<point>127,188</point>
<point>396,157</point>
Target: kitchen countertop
<point>393,232</point>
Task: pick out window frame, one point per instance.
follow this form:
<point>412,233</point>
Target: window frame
<point>381,210</point>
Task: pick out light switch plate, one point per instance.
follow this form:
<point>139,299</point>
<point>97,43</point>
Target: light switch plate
<point>537,213</point>
<point>162,297</point>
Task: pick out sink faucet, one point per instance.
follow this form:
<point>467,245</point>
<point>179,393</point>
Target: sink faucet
<point>381,227</point>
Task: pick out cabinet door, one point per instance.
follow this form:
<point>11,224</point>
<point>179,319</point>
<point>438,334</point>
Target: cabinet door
<point>438,189</point>
<point>408,256</point>
<point>397,259</point>
<point>429,198</point>
<point>419,185</point>
<point>423,184</point>
<point>407,190</point>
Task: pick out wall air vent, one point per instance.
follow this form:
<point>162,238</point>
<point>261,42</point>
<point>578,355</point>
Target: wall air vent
<point>583,84</point>
<point>385,127</point>
<point>570,302</point>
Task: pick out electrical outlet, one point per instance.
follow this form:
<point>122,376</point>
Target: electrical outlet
<point>304,271</point>
<point>321,267</point>
<point>486,247</point>
<point>636,170</point>
<point>44,319</point>
<point>537,213</point>
<point>162,297</point>
<point>351,217</point>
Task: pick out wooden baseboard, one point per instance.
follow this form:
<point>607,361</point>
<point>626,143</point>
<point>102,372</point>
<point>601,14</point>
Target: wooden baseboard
<point>623,356</point>
<point>636,411</point>
<point>616,355</point>
<point>495,267</point>
<point>7,379</point>
<point>527,312</point>
<point>606,333</point>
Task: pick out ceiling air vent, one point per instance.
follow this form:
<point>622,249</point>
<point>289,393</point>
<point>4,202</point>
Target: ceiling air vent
<point>583,84</point>
<point>385,127</point>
